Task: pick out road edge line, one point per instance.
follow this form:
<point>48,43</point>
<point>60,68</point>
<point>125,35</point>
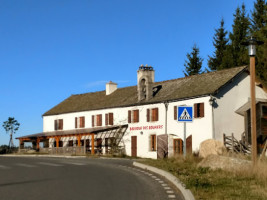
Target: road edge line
<point>185,192</point>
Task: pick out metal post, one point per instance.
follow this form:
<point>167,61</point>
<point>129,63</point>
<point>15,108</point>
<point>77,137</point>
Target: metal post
<point>184,150</point>
<point>253,109</point>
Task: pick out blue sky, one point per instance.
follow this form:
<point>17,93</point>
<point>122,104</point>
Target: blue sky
<point>50,49</point>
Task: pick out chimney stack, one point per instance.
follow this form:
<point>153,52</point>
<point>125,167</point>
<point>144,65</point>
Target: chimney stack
<point>110,87</point>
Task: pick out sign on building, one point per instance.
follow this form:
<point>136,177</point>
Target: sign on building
<point>185,114</point>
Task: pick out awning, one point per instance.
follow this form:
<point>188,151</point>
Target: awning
<point>246,106</point>
<point>95,130</point>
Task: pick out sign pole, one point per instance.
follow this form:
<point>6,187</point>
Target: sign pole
<point>184,150</point>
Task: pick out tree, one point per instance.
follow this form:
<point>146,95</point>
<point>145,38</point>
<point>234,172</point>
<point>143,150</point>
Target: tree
<point>220,43</point>
<point>258,18</point>
<point>11,126</point>
<point>239,34</point>
<point>194,63</point>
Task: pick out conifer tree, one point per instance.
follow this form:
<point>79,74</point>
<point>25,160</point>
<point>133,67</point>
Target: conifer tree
<point>258,18</point>
<point>194,63</point>
<point>238,35</point>
<point>220,43</point>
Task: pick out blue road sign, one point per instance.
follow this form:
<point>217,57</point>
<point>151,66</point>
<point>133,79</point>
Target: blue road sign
<point>185,114</point>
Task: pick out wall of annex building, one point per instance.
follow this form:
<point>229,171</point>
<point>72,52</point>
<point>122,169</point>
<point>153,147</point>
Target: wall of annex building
<point>228,100</point>
<point>200,128</point>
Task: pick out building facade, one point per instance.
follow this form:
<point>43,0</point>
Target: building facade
<point>142,120</point>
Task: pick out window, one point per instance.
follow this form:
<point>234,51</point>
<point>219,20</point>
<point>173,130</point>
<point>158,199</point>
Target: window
<point>70,143</point>
<point>96,120</point>
<point>175,112</point>
<point>79,122</point>
<point>152,115</point>
<point>58,124</point>
<point>109,119</point>
<point>198,110</point>
<point>133,116</point>
<point>152,142</point>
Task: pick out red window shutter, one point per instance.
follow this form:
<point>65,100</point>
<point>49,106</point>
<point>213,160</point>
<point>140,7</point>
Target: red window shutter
<point>137,113</point>
<point>175,112</point>
<point>201,110</point>
<point>93,120</point>
<point>100,120</point>
<point>82,122</point>
<point>195,110</point>
<point>136,116</point>
<point>110,118</point>
<point>55,125</point>
<point>60,127</point>
<point>75,122</point>
<point>156,114</point>
<point>106,119</point>
<point>129,116</point>
<point>148,115</point>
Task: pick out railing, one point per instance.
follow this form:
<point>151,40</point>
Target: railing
<point>64,150</point>
<point>235,146</point>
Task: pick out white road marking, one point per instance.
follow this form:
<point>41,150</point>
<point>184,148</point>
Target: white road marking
<point>164,184</point>
<point>3,167</point>
<point>167,188</point>
<point>50,164</point>
<point>169,191</point>
<point>25,165</point>
<point>171,196</point>
<point>80,164</point>
<point>161,182</point>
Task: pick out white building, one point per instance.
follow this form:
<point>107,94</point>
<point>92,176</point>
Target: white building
<point>142,119</point>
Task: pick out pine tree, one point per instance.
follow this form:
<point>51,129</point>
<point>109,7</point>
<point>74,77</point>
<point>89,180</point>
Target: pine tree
<point>239,34</point>
<point>258,18</point>
<point>194,63</point>
<point>220,43</point>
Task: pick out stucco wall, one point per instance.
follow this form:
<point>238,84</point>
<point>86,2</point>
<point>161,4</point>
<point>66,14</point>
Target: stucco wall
<point>229,99</point>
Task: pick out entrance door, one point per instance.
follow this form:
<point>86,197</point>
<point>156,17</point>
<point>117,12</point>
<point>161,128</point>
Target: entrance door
<point>134,146</point>
<point>162,146</point>
<point>177,146</point>
<point>189,145</point>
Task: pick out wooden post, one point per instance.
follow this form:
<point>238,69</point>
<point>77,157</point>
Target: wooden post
<point>57,142</point>
<point>253,109</point>
<point>93,143</point>
<point>37,143</point>
<point>79,140</point>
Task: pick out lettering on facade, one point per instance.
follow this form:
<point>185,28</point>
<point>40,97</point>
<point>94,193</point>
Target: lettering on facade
<point>141,128</point>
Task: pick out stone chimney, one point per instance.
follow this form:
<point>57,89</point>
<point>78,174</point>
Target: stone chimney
<point>110,87</point>
<point>145,79</point>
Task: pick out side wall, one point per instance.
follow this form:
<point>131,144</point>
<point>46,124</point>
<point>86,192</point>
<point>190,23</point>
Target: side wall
<point>228,100</point>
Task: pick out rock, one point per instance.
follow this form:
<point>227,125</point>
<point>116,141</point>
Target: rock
<point>211,146</point>
<point>224,162</point>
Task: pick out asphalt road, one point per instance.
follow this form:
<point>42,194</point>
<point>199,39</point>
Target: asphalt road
<point>68,178</point>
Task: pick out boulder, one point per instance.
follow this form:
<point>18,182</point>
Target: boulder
<point>211,147</point>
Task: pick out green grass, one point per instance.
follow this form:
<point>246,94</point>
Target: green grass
<point>216,184</point>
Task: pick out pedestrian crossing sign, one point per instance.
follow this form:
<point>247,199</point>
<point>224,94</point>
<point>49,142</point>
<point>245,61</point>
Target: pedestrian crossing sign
<point>185,114</point>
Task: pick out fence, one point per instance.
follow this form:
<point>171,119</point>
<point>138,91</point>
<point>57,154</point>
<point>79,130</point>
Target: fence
<point>64,150</point>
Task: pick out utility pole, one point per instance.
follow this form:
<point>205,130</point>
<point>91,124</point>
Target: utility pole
<point>251,43</point>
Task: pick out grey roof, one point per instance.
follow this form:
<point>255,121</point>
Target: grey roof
<point>182,88</point>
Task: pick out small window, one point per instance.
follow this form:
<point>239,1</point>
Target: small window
<point>79,122</point>
<point>109,119</point>
<point>133,116</point>
<point>153,143</point>
<point>198,110</point>
<point>58,124</point>
<point>96,120</point>
<point>152,115</point>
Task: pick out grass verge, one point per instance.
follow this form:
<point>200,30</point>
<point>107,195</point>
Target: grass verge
<point>242,183</point>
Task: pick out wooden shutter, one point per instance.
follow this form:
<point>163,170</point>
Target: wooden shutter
<point>110,118</point>
<point>55,125</point>
<point>82,122</point>
<point>201,110</point>
<point>106,119</point>
<point>100,120</point>
<point>93,121</point>
<point>60,126</point>
<point>76,122</point>
<point>195,110</point>
<point>148,115</point>
<point>175,112</point>
<point>156,114</point>
<point>129,116</point>
<point>136,116</point>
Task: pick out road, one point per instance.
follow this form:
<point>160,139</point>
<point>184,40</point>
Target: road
<point>38,178</point>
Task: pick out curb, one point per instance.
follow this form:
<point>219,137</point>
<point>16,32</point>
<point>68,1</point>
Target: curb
<point>49,156</point>
<point>185,192</point>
